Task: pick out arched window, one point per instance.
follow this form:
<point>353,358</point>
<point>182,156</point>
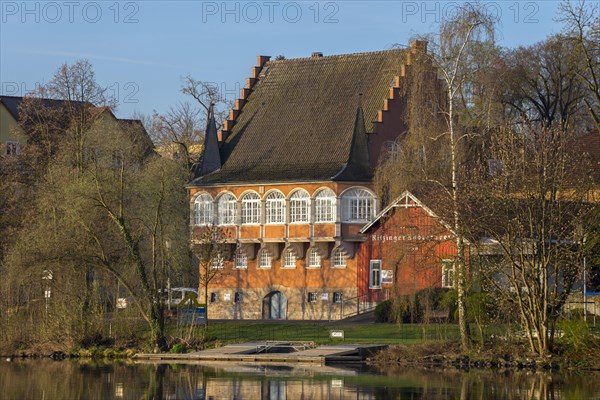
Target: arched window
<point>241,259</point>
<point>289,259</point>
<point>299,206</point>
<point>314,259</point>
<point>325,210</point>
<point>251,208</point>
<point>275,208</point>
<point>203,210</point>
<point>226,209</point>
<point>264,259</point>
<point>358,205</point>
<point>339,258</point>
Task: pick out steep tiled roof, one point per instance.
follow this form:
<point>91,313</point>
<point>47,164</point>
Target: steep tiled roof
<point>299,119</point>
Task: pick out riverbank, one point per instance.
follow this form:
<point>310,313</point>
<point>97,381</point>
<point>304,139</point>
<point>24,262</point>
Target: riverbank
<point>513,356</point>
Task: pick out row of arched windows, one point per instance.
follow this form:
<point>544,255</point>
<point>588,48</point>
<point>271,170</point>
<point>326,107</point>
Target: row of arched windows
<point>289,258</point>
<point>358,205</point>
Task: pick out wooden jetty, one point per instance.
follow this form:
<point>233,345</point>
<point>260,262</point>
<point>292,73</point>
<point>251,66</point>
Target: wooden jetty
<point>274,352</point>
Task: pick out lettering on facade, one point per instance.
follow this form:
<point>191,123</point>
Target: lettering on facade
<point>410,238</point>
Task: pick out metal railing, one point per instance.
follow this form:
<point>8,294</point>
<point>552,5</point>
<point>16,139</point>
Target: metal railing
<point>363,303</point>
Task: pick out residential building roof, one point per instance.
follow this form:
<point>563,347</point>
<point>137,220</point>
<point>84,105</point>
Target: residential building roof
<point>12,104</point>
<point>307,119</point>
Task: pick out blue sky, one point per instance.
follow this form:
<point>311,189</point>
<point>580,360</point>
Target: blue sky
<point>141,49</point>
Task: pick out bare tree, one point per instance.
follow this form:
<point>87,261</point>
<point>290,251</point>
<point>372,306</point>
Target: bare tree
<point>582,27</point>
<point>180,131</point>
<point>209,247</point>
<point>533,211</point>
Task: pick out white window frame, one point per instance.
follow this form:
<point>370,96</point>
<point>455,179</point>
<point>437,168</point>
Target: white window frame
<point>300,207</point>
<point>312,297</point>
<point>203,210</point>
<point>241,259</point>
<point>313,259</point>
<point>289,259</point>
<point>448,273</point>
<point>226,209</point>
<point>218,262</point>
<point>375,274</point>
<point>339,259</point>
<point>265,259</point>
<point>358,205</point>
<point>251,209</point>
<point>275,208</point>
<point>325,206</point>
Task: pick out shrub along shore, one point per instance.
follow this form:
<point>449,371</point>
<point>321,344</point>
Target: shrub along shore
<point>431,345</point>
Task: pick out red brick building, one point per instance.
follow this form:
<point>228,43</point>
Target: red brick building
<point>288,182</point>
<point>408,246</point>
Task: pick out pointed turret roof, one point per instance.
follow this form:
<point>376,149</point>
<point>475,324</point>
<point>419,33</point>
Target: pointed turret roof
<point>211,157</point>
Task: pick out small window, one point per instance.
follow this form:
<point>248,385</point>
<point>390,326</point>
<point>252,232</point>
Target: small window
<point>337,297</point>
<point>218,262</point>
<point>275,208</point>
<point>314,259</point>
<point>227,209</point>
<point>339,258</point>
<point>392,150</point>
<point>375,274</point>
<point>237,298</point>
<point>12,149</point>
<point>214,297</point>
<point>289,259</point>
<point>251,209</point>
<point>448,273</point>
<point>203,210</point>
<point>264,259</point>
<point>325,206</point>
<point>241,259</point>
<point>299,207</point>
<point>312,297</point>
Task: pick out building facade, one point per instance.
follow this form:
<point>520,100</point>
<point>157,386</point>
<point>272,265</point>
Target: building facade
<point>288,183</point>
<point>408,248</point>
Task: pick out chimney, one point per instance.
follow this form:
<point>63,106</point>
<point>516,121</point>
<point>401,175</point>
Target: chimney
<point>419,45</point>
<point>316,54</point>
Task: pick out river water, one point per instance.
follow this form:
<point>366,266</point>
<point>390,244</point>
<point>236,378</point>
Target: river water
<point>63,380</point>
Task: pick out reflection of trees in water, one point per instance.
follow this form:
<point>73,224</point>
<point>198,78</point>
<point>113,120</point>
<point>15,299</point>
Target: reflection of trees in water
<point>75,379</point>
<point>488,384</point>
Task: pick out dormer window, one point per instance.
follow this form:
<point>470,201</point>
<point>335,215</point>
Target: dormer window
<point>392,150</point>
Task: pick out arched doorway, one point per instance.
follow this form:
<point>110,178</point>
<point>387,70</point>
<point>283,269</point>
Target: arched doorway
<point>274,306</point>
